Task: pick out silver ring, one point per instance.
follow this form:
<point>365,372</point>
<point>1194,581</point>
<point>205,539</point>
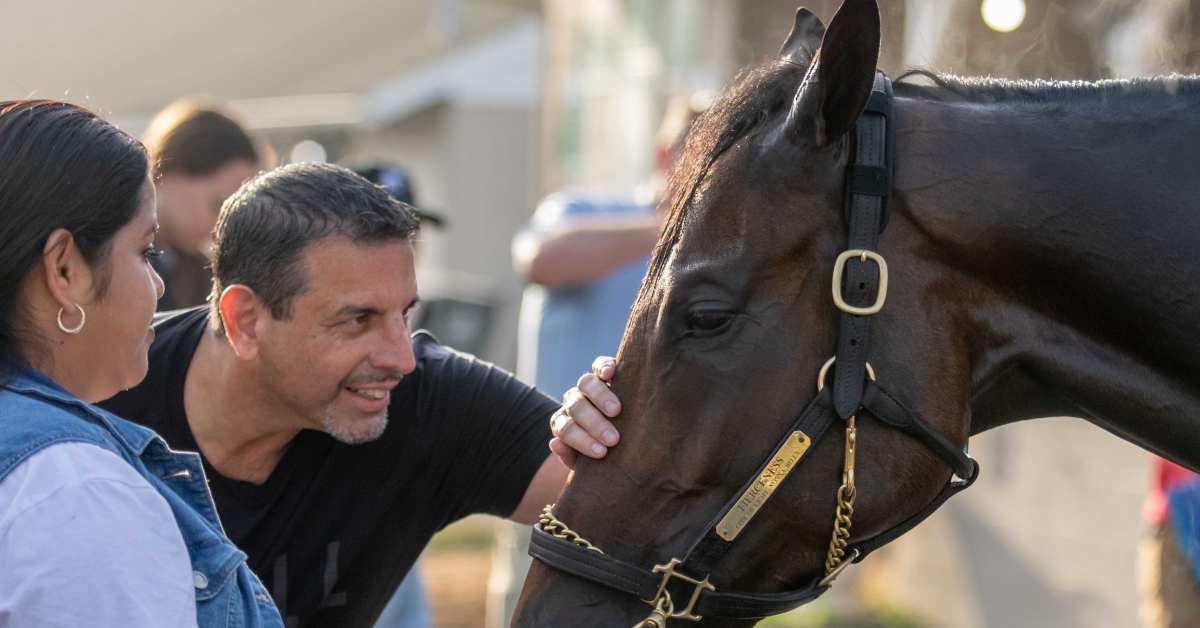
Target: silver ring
<point>561,411</point>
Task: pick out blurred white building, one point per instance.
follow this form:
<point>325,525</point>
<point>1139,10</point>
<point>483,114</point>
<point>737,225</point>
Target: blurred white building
<point>449,89</point>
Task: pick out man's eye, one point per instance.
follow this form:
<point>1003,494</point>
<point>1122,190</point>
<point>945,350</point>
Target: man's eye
<point>358,321</point>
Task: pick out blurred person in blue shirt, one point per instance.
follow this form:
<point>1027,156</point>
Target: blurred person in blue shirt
<point>584,257</point>
<point>1169,554</point>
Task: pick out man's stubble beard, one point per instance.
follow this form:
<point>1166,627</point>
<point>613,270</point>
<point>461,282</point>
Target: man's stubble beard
<point>378,424</point>
<point>331,426</point>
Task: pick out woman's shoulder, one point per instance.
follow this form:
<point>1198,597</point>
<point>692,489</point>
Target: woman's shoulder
<point>38,418</point>
<point>77,522</point>
<point>34,410</point>
<point>68,468</point>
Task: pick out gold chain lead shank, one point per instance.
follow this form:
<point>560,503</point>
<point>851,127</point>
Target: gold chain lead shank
<point>836,557</point>
<point>552,526</point>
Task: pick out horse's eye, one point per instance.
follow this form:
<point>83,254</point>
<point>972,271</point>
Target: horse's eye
<point>708,320</point>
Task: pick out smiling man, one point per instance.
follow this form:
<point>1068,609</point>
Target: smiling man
<point>337,441</point>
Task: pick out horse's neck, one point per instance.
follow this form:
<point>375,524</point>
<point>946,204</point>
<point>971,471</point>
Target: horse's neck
<point>1073,227</point>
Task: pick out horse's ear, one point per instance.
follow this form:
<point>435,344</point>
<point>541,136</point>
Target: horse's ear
<point>803,42</point>
<point>835,91</point>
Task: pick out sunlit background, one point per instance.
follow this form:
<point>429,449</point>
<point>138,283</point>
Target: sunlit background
<point>1003,16</point>
<point>491,104</point>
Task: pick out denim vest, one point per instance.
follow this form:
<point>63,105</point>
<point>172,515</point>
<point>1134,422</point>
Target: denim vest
<point>36,413</point>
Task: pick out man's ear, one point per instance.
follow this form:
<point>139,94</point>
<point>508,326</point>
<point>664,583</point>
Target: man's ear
<point>241,312</point>
<point>70,280</point>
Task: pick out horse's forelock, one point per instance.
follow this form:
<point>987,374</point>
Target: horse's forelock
<point>758,94</point>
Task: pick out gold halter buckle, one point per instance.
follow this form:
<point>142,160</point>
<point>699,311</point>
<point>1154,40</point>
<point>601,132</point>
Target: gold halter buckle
<point>668,572</point>
<point>839,268</point>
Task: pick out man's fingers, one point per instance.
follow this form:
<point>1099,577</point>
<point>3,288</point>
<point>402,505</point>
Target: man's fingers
<point>564,453</point>
<point>598,392</point>
<point>585,415</point>
<point>604,367</point>
<point>578,439</point>
<point>559,421</point>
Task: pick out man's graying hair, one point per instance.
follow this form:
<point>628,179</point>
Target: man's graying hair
<point>265,227</point>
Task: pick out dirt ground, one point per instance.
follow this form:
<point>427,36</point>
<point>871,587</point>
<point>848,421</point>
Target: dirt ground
<point>455,571</point>
<point>456,582</point>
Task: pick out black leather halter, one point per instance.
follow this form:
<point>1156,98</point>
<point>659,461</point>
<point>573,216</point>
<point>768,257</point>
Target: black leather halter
<point>868,185</point>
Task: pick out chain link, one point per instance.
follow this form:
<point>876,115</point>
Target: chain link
<point>845,504</point>
<point>552,526</point>
<point>841,529</point>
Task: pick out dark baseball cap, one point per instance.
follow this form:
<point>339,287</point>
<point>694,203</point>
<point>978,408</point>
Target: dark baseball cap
<point>397,182</point>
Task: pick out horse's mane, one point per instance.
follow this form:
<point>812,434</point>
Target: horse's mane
<point>762,92</point>
<point>950,87</point>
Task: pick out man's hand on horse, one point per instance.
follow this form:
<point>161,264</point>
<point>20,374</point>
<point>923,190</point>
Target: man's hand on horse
<point>581,425</point>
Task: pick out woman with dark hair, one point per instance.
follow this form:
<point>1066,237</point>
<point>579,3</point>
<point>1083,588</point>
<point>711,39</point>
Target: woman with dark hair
<point>199,156</point>
<point>100,523</point>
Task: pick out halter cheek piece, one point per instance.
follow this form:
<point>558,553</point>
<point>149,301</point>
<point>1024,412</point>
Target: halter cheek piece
<point>859,292</point>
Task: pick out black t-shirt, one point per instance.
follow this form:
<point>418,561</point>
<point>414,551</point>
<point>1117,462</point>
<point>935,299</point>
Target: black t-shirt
<point>336,527</point>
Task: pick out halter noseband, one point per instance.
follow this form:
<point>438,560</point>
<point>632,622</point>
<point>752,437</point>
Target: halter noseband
<point>859,292</point>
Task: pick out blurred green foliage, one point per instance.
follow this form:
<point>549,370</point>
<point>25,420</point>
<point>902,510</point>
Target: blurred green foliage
<point>475,533</point>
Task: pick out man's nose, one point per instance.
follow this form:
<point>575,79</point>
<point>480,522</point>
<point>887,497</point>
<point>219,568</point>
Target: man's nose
<point>395,353</point>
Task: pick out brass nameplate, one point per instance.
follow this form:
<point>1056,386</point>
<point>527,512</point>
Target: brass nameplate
<point>748,504</point>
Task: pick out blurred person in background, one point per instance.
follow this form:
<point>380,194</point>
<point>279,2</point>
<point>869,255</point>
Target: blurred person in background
<point>399,183</point>
<point>200,156</point>
<point>1158,37</point>
<point>338,441</point>
<point>1169,555</point>
<point>584,257</point>
<point>101,524</point>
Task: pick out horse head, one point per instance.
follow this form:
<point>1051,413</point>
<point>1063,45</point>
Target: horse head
<point>731,326</point>
<point>731,478</point>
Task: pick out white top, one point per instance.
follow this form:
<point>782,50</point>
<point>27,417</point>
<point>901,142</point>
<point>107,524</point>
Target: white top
<point>87,541</point>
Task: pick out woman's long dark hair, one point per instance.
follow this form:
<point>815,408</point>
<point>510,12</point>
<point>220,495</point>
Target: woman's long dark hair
<point>61,167</point>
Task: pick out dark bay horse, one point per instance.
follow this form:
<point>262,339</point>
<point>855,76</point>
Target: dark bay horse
<point>1041,244</point>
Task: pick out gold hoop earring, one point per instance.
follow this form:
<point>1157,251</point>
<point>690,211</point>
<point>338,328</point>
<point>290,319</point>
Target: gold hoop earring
<point>76,329</point>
